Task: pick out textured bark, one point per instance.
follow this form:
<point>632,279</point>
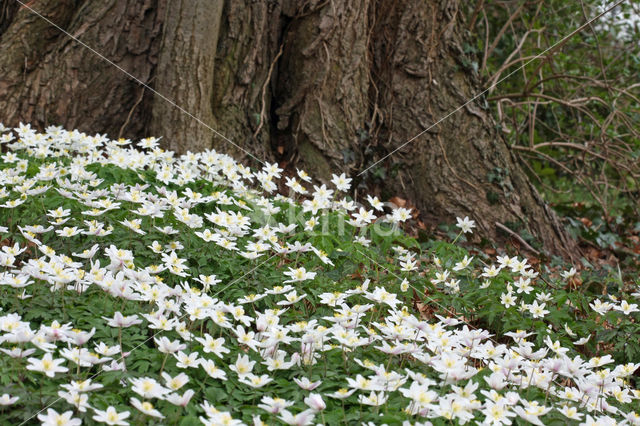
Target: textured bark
<point>190,37</point>
<point>223,81</point>
<point>461,166</point>
<point>242,90</point>
<point>321,84</point>
<point>47,78</point>
<point>8,9</point>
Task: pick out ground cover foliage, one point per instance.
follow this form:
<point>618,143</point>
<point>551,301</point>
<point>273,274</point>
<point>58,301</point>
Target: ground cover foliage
<point>143,288</point>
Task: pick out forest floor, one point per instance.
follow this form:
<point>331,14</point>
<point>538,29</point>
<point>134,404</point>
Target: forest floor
<point>138,287</point>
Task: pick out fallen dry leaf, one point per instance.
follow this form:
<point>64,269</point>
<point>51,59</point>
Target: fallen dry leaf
<point>400,202</point>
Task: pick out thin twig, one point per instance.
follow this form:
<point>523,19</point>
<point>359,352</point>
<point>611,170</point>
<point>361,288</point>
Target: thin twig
<point>264,91</point>
<point>500,34</point>
<point>517,237</point>
<point>131,113</point>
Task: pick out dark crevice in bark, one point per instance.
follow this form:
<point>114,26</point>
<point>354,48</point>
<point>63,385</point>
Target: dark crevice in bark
<point>243,57</point>
<point>283,144</point>
<point>322,85</point>
<point>384,20</point>
<point>8,10</point>
<point>279,142</point>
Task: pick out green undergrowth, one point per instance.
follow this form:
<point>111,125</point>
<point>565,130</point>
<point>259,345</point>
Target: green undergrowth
<point>239,305</point>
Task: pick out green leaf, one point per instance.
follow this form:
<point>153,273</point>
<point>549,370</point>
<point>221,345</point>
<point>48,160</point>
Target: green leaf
<point>190,421</point>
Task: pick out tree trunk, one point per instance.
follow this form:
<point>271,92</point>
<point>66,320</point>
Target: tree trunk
<point>188,50</point>
<point>48,78</point>
<point>325,85</point>
<point>461,166</point>
<point>322,88</point>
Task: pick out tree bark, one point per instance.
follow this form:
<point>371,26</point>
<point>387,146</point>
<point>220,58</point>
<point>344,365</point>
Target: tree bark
<point>219,80</point>
<point>359,79</point>
<point>461,166</point>
<point>325,85</point>
<point>8,9</point>
<point>246,60</point>
<point>47,78</point>
<point>188,50</point>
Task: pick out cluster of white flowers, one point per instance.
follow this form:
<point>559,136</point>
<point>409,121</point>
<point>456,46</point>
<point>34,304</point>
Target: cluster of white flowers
<point>442,353</point>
